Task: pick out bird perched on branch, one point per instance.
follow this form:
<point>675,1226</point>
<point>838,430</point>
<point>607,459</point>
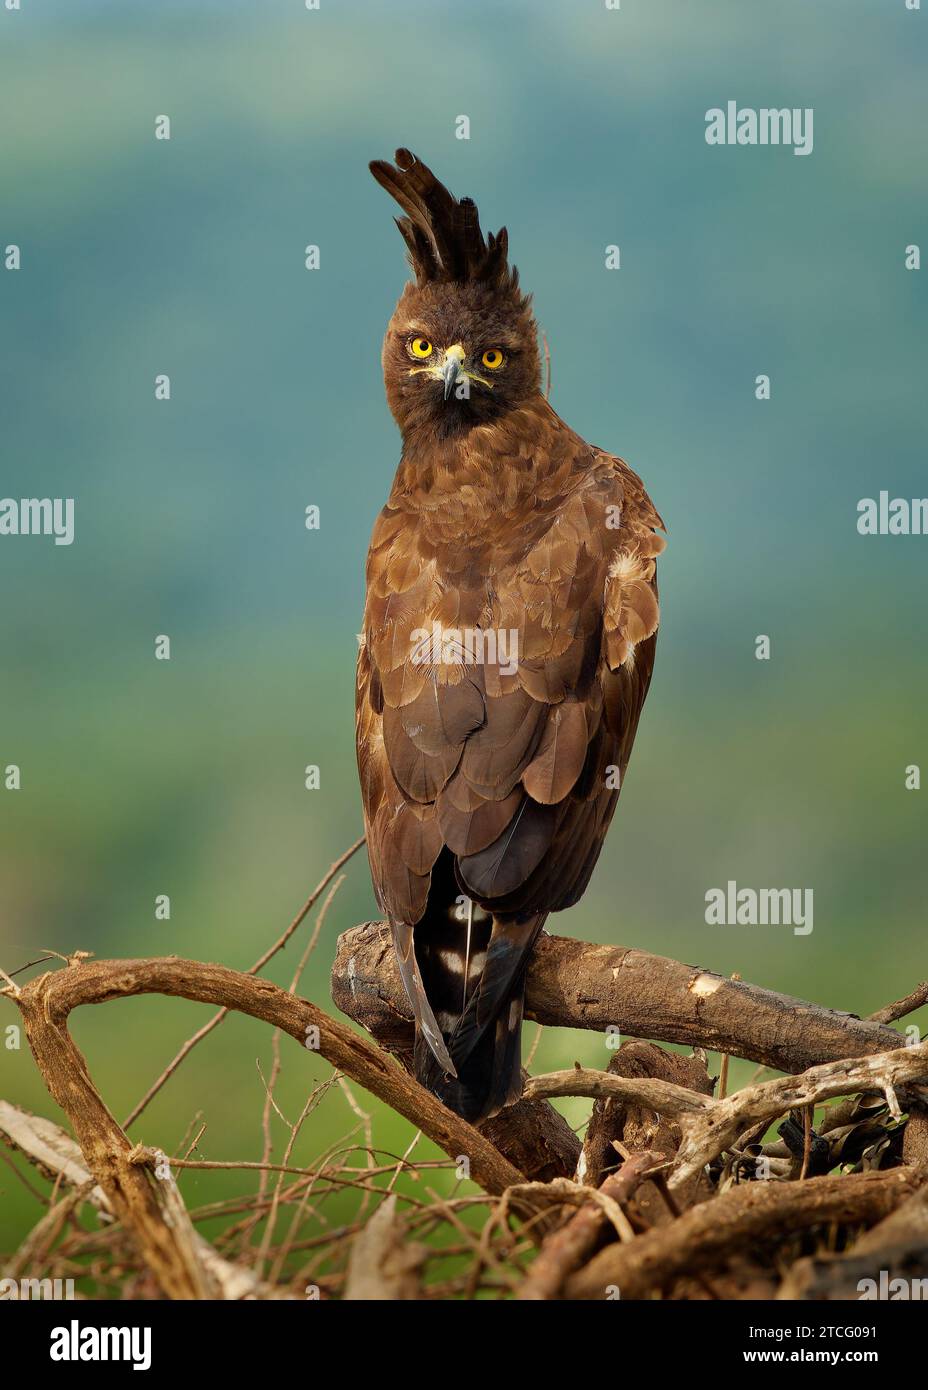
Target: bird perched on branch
<point>508,643</point>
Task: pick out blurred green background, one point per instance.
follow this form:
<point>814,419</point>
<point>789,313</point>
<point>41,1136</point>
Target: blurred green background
<point>186,257</point>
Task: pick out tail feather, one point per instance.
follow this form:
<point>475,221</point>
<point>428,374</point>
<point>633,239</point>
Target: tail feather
<point>490,1078</point>
<point>501,979</point>
<point>466,971</point>
<point>427,1027</point>
<point>506,1087</point>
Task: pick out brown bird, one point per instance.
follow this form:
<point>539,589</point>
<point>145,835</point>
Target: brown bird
<point>508,643</point>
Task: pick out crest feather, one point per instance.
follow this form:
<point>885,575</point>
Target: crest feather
<point>442,234</point>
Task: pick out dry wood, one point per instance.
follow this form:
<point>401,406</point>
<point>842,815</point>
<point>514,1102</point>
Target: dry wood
<point>47,1148</point>
<point>573,984</point>
<point>141,1200</point>
<point>566,1249</point>
<point>896,1247</point>
<point>710,1126</point>
<point>709,1234</point>
<point>637,1127</point>
<point>625,1127</point>
<point>47,1001</point>
<point>383,1265</point>
<point>526,1154</point>
<point>906,1005</point>
<point>536,1138</point>
<point>56,1155</point>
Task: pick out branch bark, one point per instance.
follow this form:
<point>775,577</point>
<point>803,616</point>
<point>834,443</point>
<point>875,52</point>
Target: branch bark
<point>567,1248</point>
<point>383,1266</point>
<point>708,1127</point>
<point>130,1187</point>
<point>570,984</point>
<point>55,1154</point>
<point>573,984</point>
<point>707,1235</point>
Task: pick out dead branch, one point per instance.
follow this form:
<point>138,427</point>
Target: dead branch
<point>573,984</point>
<point>710,1233</point>
<point>907,1005</point>
<point>896,1247</point>
<point>663,1097</point>
<point>47,1148</point>
<point>626,1127</point>
<point>536,1138</point>
<point>132,1191</point>
<point>56,1155</point>
<point>709,1127</point>
<point>566,1249</point>
<point>634,1125</point>
<point>162,1230</point>
<point>523,1156</point>
<point>383,1265</point>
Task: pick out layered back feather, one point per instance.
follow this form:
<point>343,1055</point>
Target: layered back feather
<point>443,234</point>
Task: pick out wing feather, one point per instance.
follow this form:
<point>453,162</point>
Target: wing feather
<point>513,770</point>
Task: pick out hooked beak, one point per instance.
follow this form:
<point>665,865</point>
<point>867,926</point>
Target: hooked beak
<point>451,367</point>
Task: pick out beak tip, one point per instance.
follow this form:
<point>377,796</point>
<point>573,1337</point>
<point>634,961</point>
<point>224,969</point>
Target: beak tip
<point>452,367</point>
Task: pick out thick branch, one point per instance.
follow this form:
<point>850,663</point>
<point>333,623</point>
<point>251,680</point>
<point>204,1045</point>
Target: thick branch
<point>145,1205</point>
<point>57,1157</point>
<point>48,1000</point>
<point>573,984</point>
<point>708,1234</point>
<point>898,1245</point>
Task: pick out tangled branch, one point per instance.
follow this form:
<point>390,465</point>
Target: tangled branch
<point>526,1159</point>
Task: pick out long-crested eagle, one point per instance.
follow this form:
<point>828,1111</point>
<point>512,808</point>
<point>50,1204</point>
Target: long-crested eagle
<point>508,642</point>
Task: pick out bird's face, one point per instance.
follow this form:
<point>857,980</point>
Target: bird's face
<point>458,355</point>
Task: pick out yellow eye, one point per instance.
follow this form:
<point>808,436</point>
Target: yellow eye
<point>420,347</point>
<point>492,358</point>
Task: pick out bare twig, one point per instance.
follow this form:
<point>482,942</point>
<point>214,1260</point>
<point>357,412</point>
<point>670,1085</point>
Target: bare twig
<point>47,1001</point>
<point>259,965</point>
<point>907,1005</point>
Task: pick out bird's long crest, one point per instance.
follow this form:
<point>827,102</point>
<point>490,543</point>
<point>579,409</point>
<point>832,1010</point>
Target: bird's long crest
<point>443,234</point>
